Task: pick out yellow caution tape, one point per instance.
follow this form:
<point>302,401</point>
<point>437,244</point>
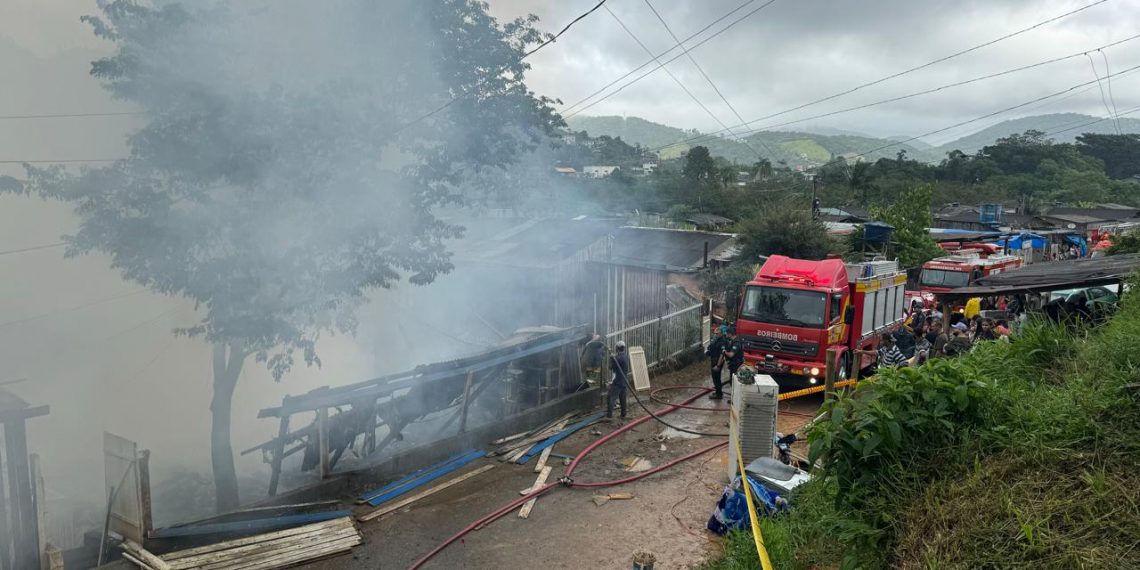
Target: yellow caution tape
<point>814,390</point>
<point>765,563</point>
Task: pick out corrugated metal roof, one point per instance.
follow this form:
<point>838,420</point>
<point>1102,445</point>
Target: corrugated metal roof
<point>672,250</point>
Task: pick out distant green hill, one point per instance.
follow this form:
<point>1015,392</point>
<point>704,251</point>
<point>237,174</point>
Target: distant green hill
<point>793,147</point>
<point>1073,124</point>
<point>802,148</point>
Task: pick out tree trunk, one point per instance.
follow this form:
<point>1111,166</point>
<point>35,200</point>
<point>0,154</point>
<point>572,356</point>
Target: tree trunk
<point>227,368</point>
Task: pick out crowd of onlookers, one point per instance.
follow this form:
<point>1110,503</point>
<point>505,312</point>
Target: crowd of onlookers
<point>921,336</point>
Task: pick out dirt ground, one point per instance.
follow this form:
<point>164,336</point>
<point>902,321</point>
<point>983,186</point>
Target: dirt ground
<point>666,516</point>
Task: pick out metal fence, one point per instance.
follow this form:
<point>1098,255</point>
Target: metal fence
<point>664,337</point>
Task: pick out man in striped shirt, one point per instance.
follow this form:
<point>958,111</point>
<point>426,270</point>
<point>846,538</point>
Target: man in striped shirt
<point>889,353</point>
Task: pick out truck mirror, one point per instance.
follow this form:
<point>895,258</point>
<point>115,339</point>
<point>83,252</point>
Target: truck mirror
<point>849,315</point>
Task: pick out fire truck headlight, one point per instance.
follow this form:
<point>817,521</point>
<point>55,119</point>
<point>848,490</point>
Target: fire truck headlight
<point>815,371</point>
<point>812,380</point>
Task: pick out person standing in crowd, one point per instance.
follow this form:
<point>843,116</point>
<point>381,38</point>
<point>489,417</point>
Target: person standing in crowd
<point>1002,329</point>
<point>973,307</point>
<point>985,331</point>
<point>889,353</point>
<point>713,352</point>
<point>938,339</point>
<point>959,342</point>
<point>904,340</point>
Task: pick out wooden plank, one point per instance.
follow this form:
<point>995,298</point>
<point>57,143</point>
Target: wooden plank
<point>524,512</point>
<point>405,502</point>
<point>299,554</point>
<point>334,523</point>
<point>272,552</point>
<point>542,459</point>
<point>143,554</point>
<point>518,454</point>
<point>137,562</point>
<point>323,441</point>
<point>312,537</point>
<point>281,555</point>
<point>510,438</point>
<point>144,493</point>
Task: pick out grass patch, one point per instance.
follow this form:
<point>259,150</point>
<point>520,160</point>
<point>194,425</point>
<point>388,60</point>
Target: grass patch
<point>1017,455</point>
<point>808,149</point>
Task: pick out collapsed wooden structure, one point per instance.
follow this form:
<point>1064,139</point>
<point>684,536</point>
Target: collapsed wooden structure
<point>261,552</point>
<point>533,367</point>
<point>22,536</point>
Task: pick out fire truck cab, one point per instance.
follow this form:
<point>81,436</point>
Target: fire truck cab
<point>794,310</point>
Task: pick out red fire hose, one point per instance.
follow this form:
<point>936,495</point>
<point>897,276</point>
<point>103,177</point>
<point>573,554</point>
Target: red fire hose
<point>565,480</point>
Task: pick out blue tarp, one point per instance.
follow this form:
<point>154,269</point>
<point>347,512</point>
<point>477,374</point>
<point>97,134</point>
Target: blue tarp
<point>1078,241</point>
<point>1017,242</point>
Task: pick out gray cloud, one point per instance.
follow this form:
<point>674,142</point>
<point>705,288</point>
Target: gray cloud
<point>794,52</point>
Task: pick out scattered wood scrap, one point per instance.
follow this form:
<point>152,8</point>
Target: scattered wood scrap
<point>267,551</point>
<point>600,500</point>
<point>542,460</point>
<point>524,512</point>
<point>383,510</point>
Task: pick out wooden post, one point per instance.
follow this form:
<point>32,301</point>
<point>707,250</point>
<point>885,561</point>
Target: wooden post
<point>466,402</point>
<point>278,451</point>
<point>41,510</point>
<point>6,545</point>
<point>831,372</point>
<point>323,440</point>
<point>23,529</point>
<point>144,493</point>
<point>53,558</point>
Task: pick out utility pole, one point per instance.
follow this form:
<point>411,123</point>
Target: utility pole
<point>814,200</point>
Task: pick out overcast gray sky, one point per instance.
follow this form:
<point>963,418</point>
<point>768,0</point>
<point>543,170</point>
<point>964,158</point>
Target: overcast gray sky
<point>786,54</point>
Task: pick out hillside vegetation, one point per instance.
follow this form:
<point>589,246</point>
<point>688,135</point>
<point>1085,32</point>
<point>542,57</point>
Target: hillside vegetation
<point>770,145</point>
<point>1016,455</point>
<point>635,130</point>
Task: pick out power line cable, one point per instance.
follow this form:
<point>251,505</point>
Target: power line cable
<point>33,248</point>
<point>980,118</point>
<point>708,136</point>
<point>678,81</point>
<point>69,115</point>
<point>1111,97</point>
<point>923,66</point>
<point>708,79</point>
<point>1103,97</point>
<point>662,54</point>
<point>91,303</point>
<point>672,59</point>
<point>1055,102</point>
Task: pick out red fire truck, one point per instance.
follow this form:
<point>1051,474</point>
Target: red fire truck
<point>794,310</point>
<point>965,266</point>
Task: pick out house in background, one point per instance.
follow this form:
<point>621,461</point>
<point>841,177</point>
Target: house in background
<point>565,170</point>
<point>598,171</point>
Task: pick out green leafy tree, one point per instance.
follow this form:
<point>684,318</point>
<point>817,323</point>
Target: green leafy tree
<point>1120,153</point>
<point>280,176</point>
<point>699,164</point>
<point>783,230</point>
<point>911,218</point>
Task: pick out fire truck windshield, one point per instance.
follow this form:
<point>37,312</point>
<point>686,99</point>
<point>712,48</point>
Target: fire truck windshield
<point>779,306</point>
<point>944,278</point>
